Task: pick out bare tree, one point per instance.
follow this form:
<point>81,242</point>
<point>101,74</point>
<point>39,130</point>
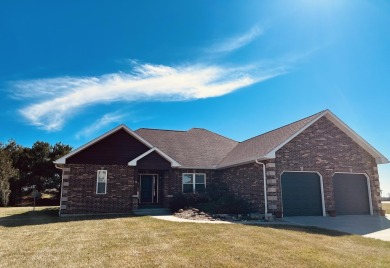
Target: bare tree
<point>7,171</point>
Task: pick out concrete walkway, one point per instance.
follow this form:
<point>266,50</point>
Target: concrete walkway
<point>177,219</point>
<point>368,226</point>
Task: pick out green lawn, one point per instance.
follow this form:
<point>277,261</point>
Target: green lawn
<point>40,239</point>
<point>386,206</point>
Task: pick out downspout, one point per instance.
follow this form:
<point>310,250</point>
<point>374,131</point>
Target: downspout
<point>265,187</point>
<point>62,185</point>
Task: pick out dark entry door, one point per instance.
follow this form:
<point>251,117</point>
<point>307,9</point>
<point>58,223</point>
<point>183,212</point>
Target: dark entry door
<point>148,191</point>
<point>351,194</point>
<point>301,194</point>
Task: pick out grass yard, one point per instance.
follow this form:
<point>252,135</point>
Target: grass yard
<point>386,206</point>
<point>40,239</point>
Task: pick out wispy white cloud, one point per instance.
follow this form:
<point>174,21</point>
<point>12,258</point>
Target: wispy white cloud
<point>49,87</point>
<point>54,100</point>
<point>99,124</point>
<point>231,44</point>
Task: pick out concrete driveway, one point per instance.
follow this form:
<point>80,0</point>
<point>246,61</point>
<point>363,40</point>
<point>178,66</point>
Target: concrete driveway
<point>368,226</point>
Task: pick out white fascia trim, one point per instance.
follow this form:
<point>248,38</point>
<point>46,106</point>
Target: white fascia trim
<point>271,154</point>
<point>208,168</point>
<point>62,160</point>
<point>133,162</point>
<point>379,158</point>
<point>246,161</point>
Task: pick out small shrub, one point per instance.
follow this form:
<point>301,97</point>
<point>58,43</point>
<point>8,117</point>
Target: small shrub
<point>215,191</point>
<point>181,201</point>
<point>217,200</point>
<point>226,204</point>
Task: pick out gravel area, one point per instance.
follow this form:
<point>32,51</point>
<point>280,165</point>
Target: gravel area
<point>194,214</point>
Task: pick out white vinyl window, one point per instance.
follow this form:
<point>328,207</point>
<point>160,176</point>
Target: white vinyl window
<point>194,182</point>
<point>101,182</point>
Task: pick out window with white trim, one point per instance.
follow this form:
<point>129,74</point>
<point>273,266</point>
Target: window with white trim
<point>101,182</point>
<point>194,182</point>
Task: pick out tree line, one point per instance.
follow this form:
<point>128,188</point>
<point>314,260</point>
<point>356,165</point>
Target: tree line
<point>23,169</point>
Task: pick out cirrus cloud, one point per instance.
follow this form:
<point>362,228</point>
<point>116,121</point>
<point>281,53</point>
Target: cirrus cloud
<point>102,122</point>
<point>234,43</point>
<point>55,100</point>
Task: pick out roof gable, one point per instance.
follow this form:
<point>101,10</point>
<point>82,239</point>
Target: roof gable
<point>149,152</point>
<point>106,135</point>
<point>379,158</point>
<point>265,146</point>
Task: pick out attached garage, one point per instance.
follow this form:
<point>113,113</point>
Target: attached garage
<point>351,194</point>
<point>301,194</point>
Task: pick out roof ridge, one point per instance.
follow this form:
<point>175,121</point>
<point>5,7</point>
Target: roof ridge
<point>161,129</point>
<point>313,115</point>
<point>228,153</point>
<point>215,134</point>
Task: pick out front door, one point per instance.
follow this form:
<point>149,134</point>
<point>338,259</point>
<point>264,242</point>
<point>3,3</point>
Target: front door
<point>148,188</point>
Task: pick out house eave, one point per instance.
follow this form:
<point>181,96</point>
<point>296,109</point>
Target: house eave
<point>247,161</point>
<point>382,160</point>
<point>174,163</point>
<point>379,158</point>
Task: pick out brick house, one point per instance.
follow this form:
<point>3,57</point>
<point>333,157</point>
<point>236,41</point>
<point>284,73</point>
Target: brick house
<point>309,167</point>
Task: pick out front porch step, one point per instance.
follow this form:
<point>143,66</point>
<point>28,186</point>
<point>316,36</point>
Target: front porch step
<point>142,206</point>
<point>152,211</point>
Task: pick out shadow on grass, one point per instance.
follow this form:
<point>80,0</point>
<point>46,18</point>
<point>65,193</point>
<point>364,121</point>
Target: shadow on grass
<point>49,215</point>
<point>305,229</point>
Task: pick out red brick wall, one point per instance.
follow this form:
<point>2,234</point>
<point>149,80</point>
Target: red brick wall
<point>324,148</point>
<point>246,182</point>
<point>79,190</point>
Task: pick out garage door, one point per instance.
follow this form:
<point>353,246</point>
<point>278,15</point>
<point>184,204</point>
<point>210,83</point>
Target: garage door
<point>301,194</point>
<point>351,194</point>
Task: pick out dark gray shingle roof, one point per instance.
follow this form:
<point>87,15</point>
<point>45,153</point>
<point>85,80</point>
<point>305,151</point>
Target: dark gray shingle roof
<point>259,146</point>
<point>195,148</point>
<point>201,148</point>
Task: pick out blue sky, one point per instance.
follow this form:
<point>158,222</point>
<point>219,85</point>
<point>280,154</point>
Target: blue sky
<point>71,70</point>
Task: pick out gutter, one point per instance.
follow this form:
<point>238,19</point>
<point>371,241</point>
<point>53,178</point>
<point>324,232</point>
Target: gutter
<point>265,187</point>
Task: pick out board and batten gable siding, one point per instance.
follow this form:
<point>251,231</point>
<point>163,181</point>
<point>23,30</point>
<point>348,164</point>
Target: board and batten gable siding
<point>324,148</point>
<point>116,149</point>
<point>153,161</point>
